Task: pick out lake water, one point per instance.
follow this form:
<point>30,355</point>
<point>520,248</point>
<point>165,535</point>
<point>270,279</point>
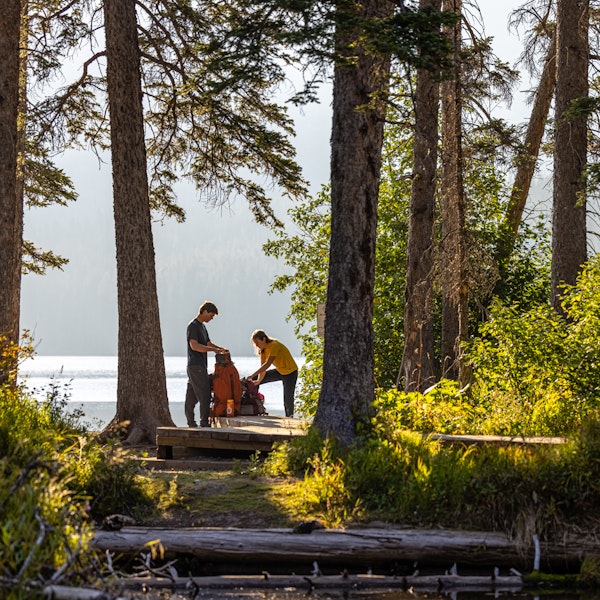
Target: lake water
<point>90,383</point>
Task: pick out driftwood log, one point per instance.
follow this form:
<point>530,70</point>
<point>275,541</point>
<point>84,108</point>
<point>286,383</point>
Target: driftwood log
<point>354,549</point>
<point>442,583</point>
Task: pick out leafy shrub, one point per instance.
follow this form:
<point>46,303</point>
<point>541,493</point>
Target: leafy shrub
<point>408,478</point>
<point>536,372</point>
<point>54,478</point>
<point>444,408</point>
<point>108,476</point>
<point>44,524</point>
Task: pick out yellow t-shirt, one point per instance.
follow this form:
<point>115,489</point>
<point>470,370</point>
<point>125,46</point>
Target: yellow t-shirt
<point>283,360</point>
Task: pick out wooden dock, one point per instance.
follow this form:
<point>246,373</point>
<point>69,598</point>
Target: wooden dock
<point>239,434</point>
<point>249,434</point>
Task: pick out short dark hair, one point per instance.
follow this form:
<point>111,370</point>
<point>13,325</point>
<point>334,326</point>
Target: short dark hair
<point>208,307</point>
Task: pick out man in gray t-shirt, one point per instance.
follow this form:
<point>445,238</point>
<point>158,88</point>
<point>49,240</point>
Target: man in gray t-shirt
<point>198,386</point>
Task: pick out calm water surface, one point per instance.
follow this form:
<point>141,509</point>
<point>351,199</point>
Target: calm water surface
<point>90,383</point>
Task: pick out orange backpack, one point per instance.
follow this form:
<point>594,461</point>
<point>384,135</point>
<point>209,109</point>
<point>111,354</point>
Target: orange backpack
<point>226,385</point>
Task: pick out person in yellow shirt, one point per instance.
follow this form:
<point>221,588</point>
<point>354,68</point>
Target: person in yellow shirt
<point>273,353</point>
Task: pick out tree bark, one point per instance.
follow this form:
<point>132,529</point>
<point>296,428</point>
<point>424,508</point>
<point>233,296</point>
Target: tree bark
<point>453,249</point>
<point>11,231</point>
<point>142,403</point>
<point>417,372</point>
<point>348,385</point>
<point>569,250</point>
<point>526,160</point>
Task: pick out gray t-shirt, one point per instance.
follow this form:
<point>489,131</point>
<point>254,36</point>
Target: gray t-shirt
<point>197,331</point>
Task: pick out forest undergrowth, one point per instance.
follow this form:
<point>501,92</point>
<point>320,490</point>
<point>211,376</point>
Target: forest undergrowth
<point>535,374</point>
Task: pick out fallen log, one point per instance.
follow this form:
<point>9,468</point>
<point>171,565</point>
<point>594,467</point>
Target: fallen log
<point>430,583</point>
<point>360,549</point>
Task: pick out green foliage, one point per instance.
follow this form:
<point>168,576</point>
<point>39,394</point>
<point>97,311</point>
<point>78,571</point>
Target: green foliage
<point>327,491</point>
<point>44,523</point>
<point>527,278</point>
<point>306,254</point>
<point>536,371</point>
<point>405,477</point>
<point>54,478</point>
<point>390,259</point>
<point>292,457</point>
<point>108,476</point>
<point>441,409</point>
<point>527,271</point>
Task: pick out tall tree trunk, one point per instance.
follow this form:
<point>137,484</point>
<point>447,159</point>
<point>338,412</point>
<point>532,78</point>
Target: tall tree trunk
<point>348,385</point>
<point>569,239</point>
<point>526,161</point>
<point>21,142</point>
<point>10,212</point>
<point>141,390</point>
<point>417,371</point>
<point>453,254</point>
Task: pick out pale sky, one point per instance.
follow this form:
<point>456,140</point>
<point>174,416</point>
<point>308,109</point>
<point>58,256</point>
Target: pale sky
<point>213,255</point>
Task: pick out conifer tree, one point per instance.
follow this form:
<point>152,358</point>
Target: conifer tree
<point>359,91</point>
<point>569,215</point>
<point>141,389</point>
<point>417,370</point>
<point>10,211</point>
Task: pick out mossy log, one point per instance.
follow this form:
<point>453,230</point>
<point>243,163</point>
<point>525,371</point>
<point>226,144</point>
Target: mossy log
<point>360,549</point>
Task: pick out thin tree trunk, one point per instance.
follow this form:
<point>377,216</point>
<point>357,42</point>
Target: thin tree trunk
<point>569,250</point>
<point>348,385</point>
<point>453,255</point>
<point>417,370</point>
<point>526,160</point>
<point>141,391</point>
<point>21,139</point>
<point>10,211</point>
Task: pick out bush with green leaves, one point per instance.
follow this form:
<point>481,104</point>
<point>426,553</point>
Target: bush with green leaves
<point>54,479</point>
<point>44,525</point>
<point>444,408</point>
<point>407,478</point>
<point>537,372</point>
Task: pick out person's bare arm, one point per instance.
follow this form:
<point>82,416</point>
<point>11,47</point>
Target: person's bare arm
<point>259,374</point>
<point>196,346</point>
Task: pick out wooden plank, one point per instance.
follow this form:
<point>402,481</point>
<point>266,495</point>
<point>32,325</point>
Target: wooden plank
<point>261,432</point>
<point>497,439</point>
<point>214,443</point>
